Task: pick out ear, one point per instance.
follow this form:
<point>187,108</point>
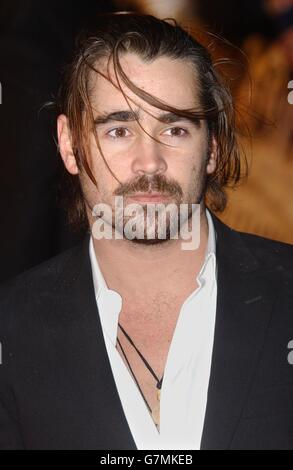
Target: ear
<point>65,147</point>
<point>212,161</point>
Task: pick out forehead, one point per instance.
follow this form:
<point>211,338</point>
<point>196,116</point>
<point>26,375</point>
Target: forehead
<point>172,81</point>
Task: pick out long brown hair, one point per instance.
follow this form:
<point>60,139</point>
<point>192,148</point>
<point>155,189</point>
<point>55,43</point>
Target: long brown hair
<point>149,38</point>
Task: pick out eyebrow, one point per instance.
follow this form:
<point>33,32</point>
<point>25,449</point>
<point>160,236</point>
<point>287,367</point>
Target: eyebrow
<point>128,116</point>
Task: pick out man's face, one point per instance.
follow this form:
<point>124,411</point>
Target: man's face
<point>172,173</point>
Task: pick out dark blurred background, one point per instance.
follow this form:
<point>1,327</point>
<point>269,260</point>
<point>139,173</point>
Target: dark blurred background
<point>37,39</point>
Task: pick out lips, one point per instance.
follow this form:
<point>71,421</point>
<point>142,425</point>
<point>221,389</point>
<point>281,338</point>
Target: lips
<point>149,197</point>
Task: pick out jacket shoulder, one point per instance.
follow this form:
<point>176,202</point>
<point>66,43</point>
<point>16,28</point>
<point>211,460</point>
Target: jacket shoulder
<point>269,252</point>
<point>36,282</point>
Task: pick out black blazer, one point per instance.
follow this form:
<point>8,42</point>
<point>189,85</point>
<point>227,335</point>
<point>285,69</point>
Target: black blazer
<point>57,390</point>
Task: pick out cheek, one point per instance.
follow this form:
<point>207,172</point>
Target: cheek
<point>118,160</point>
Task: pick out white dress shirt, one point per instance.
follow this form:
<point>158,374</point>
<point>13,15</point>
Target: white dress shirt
<point>187,372</point>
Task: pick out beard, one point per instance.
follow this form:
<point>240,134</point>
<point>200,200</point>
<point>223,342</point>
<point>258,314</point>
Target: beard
<point>154,223</point>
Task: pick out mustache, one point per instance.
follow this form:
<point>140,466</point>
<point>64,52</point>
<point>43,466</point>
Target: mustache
<point>157,183</point>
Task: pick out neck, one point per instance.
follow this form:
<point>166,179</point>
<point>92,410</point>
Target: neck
<point>130,267</point>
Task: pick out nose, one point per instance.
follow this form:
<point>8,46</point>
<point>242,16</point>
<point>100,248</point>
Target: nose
<point>148,159</point>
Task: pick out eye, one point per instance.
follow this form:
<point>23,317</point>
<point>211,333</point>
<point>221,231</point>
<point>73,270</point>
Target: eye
<point>118,132</point>
<point>177,132</point>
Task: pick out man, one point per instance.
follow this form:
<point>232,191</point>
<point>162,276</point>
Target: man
<point>131,341</point>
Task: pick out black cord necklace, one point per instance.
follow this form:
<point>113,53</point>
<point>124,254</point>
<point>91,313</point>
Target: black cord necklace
<point>159,381</point>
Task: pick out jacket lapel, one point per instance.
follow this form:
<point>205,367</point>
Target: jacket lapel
<point>244,304</point>
<point>107,425</point>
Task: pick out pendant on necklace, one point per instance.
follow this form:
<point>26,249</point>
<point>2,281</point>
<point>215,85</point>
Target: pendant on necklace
<point>159,386</point>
